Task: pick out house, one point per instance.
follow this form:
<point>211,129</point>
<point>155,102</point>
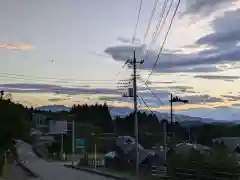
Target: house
<point>184,147</point>
<point>52,123</point>
<point>232,143</point>
<point>40,122</point>
<point>125,154</point>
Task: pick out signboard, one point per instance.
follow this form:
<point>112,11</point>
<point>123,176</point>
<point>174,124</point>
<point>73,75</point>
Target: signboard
<point>80,143</point>
<point>57,127</point>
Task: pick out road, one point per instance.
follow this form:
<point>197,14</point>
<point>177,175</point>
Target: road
<point>15,172</point>
<point>50,170</point>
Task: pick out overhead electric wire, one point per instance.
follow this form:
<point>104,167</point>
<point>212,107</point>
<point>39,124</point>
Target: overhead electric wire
<point>159,100</point>
<point>134,33</point>
<point>145,103</point>
<point>157,31</point>
<point>162,25</point>
<point>153,93</point>
<point>150,20</point>
<point>138,17</point>
<point>164,41</point>
<point>159,21</point>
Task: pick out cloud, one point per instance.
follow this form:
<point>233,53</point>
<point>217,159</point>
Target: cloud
<point>222,46</point>
<point>159,82</point>
<point>204,61</point>
<point>232,98</point>
<point>236,105</point>
<point>205,7</point>
<point>58,99</point>
<point>198,99</point>
<point>47,88</point>
<point>226,31</point>
<point>16,46</point>
<point>180,89</point>
<point>128,40</point>
<point>216,77</point>
<point>111,98</point>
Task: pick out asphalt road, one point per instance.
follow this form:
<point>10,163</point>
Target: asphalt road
<point>50,170</point>
<point>15,172</point>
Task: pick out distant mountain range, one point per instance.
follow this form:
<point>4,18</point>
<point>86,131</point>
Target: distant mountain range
<point>123,111</point>
<point>54,108</point>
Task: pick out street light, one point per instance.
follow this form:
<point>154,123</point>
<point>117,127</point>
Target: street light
<point>172,100</point>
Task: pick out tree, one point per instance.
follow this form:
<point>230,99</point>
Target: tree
<point>1,94</point>
<point>14,124</point>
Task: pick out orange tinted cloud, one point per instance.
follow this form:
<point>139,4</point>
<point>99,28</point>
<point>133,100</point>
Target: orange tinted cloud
<point>16,46</point>
<point>197,106</point>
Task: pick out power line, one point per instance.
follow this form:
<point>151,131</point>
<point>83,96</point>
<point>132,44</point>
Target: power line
<point>138,17</point>
<point>166,36</point>
<point>52,78</point>
<point>145,103</point>
<point>153,93</point>
<point>150,20</point>
<point>135,31</point>
<point>159,22</point>
<point>160,101</point>
<point>157,31</point>
<point>162,25</point>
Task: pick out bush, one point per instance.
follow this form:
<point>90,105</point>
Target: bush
<point>217,163</point>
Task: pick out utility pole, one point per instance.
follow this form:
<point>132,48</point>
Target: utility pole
<point>133,93</point>
<point>172,100</point>
<point>73,141</point>
<point>165,122</point>
<point>62,144</point>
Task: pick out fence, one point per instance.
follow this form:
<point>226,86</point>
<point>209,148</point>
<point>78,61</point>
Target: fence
<point>98,163</point>
<point>159,171</point>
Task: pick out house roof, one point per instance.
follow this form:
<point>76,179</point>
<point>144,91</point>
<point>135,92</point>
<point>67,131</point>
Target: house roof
<point>185,147</point>
<point>127,143</point>
<point>231,142</point>
<point>111,154</point>
<point>128,146</point>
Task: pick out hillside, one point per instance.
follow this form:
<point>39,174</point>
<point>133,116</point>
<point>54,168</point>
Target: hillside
<point>124,111</point>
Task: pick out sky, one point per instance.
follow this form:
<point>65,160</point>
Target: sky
<point>67,52</point>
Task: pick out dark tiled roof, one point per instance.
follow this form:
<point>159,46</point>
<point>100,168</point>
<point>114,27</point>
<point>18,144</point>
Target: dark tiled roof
<point>128,145</point>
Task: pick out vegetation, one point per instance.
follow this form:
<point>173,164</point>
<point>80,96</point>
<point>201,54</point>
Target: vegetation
<point>218,163</point>
<point>14,124</point>
<point>95,123</point>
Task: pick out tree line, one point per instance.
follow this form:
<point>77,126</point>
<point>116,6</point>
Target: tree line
<point>15,123</point>
<point>97,119</point>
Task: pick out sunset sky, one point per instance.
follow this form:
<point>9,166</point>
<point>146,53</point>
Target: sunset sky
<point>69,52</point>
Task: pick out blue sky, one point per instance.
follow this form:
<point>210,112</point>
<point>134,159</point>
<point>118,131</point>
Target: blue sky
<point>66,52</point>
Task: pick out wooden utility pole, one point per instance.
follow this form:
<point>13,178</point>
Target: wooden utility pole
<point>132,92</point>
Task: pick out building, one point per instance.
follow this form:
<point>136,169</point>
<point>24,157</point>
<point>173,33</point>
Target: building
<point>125,154</point>
<point>232,143</point>
<point>40,122</point>
<point>54,123</point>
<point>184,148</point>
